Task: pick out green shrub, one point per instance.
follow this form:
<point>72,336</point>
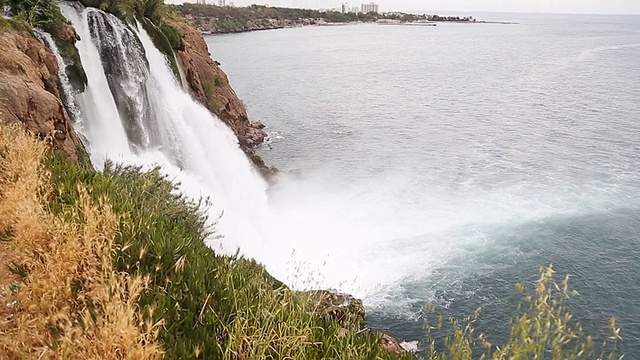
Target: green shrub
<point>174,37</point>
<point>131,10</point>
<point>209,89</point>
<point>163,44</point>
<point>229,24</point>
<point>44,14</point>
<point>218,80</point>
<point>15,23</point>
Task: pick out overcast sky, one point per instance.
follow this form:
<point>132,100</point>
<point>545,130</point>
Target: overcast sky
<point>549,6</point>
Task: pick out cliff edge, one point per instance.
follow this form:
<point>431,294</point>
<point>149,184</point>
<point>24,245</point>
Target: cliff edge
<point>210,86</point>
<point>29,93</point>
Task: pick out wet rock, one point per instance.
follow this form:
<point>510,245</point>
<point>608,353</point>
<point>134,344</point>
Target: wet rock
<point>391,345</point>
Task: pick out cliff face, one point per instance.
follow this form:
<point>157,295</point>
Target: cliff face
<point>212,25</point>
<point>28,91</point>
<point>210,86</point>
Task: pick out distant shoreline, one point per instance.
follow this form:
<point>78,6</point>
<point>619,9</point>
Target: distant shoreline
<point>208,33</point>
<point>214,20</point>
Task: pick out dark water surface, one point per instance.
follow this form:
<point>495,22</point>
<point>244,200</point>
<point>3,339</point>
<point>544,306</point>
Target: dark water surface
<point>458,159</point>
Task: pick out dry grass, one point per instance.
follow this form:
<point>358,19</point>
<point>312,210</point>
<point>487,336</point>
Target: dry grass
<point>69,301</point>
<point>543,329</point>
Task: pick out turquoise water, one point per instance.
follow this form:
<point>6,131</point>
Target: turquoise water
<point>446,164</point>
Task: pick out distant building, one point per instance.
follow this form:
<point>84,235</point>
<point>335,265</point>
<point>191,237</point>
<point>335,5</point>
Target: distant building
<point>222,2</point>
<point>370,7</point>
<point>345,8</point>
<point>201,2</point>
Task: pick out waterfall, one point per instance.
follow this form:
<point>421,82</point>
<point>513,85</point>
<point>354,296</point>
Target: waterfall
<point>136,113</point>
<point>127,73</point>
<point>66,90</point>
<point>102,126</point>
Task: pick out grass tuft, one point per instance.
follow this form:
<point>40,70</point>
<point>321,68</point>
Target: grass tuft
<point>544,328</point>
<point>70,301</point>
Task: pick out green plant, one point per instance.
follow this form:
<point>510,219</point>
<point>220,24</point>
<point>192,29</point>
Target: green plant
<point>209,89</point>
<point>38,13</point>
<point>132,10</point>
<point>542,329</point>
<point>15,24</point>
<point>218,80</point>
<point>173,36</point>
<point>163,44</point>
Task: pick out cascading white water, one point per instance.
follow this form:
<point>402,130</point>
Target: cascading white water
<point>193,147</point>
<point>212,157</point>
<point>102,126</point>
<point>67,92</point>
<point>127,73</point>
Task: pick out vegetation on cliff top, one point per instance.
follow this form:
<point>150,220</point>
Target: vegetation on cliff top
<point>46,15</point>
<point>130,11</point>
<point>152,15</point>
<point>237,19</point>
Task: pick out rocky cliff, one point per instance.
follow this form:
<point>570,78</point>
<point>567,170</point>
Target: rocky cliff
<point>29,93</point>
<point>212,25</point>
<point>210,85</point>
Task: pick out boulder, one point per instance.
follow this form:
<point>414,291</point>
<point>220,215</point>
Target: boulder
<point>392,346</point>
<point>343,309</point>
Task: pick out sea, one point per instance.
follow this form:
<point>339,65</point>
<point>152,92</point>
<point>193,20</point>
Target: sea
<point>439,166</point>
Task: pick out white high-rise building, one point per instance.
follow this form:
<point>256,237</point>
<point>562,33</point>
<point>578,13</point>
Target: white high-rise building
<point>345,8</point>
<point>222,2</point>
<point>370,7</point>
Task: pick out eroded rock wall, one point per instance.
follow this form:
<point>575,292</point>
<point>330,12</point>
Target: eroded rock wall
<point>29,93</point>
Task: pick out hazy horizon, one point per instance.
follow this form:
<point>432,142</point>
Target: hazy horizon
<point>620,7</point>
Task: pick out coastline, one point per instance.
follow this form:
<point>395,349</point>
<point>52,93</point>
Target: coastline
<point>432,24</point>
<point>214,20</point>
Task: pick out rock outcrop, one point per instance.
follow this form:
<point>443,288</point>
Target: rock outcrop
<point>392,346</point>
<point>210,86</point>
<point>349,312</point>
<point>335,307</point>
<point>29,93</point>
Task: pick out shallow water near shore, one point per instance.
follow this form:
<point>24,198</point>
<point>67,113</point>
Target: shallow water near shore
<point>445,164</point>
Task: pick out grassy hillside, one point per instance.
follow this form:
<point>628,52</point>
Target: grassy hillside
<point>141,249</point>
<point>113,265</point>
